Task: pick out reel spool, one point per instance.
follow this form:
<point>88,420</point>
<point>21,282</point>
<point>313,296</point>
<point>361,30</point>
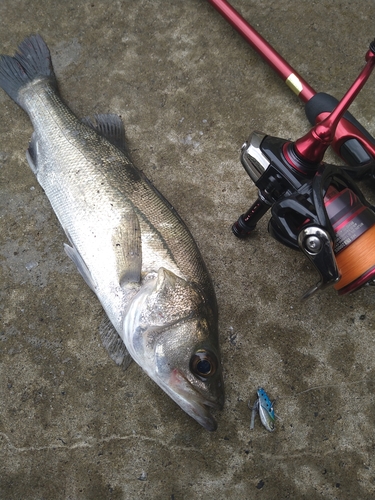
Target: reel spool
<point>316,208</point>
<point>354,226</point>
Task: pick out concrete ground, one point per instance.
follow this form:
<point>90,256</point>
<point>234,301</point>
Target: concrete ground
<point>190,90</point>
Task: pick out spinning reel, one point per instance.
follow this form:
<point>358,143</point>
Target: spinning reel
<point>316,207</point>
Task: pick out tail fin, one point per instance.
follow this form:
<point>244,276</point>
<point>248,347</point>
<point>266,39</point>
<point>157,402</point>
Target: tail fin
<point>32,61</point>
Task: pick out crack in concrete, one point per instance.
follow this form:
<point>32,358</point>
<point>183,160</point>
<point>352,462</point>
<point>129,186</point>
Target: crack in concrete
<point>332,385</point>
<point>91,443</point>
<point>95,442</point>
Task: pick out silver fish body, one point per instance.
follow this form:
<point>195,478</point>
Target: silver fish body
<point>127,241</point>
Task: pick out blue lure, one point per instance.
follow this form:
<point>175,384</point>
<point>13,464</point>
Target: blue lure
<point>264,407</point>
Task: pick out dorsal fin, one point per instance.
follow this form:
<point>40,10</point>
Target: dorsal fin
<point>111,127</point>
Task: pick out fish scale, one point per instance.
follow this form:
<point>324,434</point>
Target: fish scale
<point>118,190</point>
<point>127,241</point>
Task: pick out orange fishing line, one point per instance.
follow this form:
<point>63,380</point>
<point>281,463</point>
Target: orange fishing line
<point>356,259</point>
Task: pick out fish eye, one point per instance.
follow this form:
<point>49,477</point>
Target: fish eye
<point>203,364</point>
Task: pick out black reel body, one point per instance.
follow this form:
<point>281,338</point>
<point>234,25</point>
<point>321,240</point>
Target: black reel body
<point>306,203</point>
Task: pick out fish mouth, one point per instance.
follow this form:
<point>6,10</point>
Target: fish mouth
<point>201,413</point>
<point>192,402</point>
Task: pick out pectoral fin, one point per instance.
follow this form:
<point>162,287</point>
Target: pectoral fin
<point>114,344</point>
<point>127,245</point>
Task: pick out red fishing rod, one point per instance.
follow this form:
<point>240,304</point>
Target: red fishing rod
<point>315,207</point>
<point>352,142</point>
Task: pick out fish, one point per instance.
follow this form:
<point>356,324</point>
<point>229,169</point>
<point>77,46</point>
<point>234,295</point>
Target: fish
<point>264,407</point>
<point>127,241</point>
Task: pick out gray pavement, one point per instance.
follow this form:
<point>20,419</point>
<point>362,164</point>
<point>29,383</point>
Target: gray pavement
<point>190,90</point>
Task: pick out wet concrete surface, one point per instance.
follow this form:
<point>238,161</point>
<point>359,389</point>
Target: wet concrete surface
<point>190,90</point>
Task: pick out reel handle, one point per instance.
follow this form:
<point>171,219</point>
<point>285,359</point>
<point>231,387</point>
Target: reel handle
<point>312,146</point>
<point>352,142</point>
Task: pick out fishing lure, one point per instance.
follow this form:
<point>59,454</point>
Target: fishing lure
<point>264,407</point>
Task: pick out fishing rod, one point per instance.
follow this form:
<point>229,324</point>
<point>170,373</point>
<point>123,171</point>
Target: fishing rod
<point>315,207</point>
<point>352,142</point>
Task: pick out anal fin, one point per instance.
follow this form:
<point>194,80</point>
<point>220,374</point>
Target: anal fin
<point>75,256</point>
